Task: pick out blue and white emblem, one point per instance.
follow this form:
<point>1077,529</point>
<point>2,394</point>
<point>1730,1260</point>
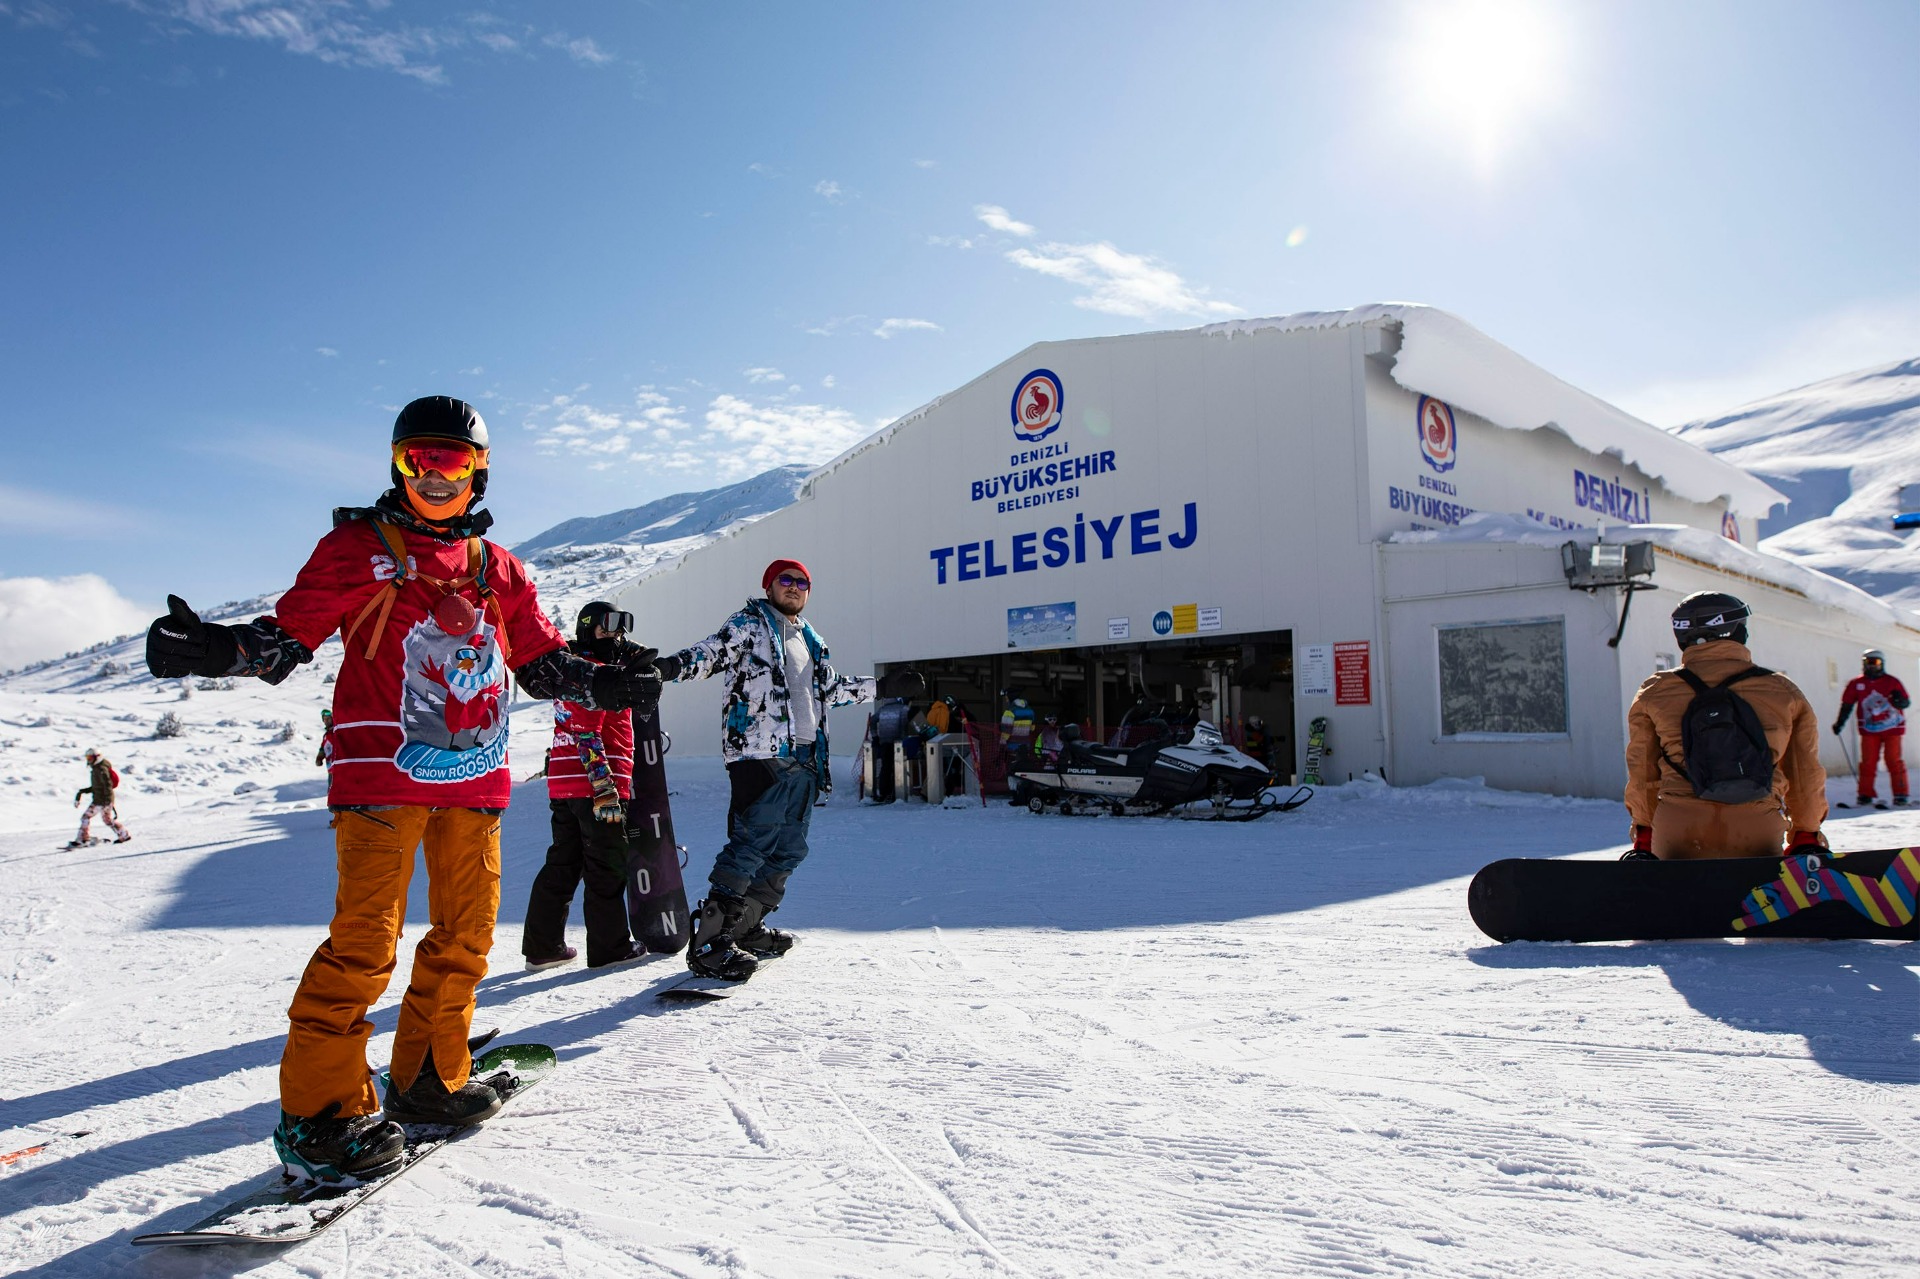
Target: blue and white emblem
<point>1036,406</point>
<point>1439,438</point>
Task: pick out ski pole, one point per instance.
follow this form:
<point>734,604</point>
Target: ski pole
<point>1851,770</point>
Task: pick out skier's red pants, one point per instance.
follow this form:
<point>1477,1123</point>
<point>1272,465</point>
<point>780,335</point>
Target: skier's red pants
<point>1871,745</point>
<point>326,1057</point>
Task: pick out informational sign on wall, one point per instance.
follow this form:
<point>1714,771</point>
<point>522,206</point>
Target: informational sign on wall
<point>1313,673</point>
<point>1209,618</point>
<point>1119,628</point>
<point>1041,626</point>
<point>1352,674</point>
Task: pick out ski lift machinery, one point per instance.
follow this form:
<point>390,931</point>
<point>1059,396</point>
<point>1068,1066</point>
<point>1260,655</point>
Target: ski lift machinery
<point>1609,565</point>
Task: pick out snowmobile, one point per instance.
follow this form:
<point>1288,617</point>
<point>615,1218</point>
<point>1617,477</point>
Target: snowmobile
<point>1201,778</point>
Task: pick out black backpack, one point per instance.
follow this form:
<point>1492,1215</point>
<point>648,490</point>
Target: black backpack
<point>1725,748</point>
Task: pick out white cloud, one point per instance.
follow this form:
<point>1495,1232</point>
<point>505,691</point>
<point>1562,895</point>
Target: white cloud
<point>926,164</point>
<point>828,188</point>
<point>950,241</point>
<point>44,617</point>
<point>733,437</point>
<point>580,48</point>
<point>1855,337</point>
<point>829,381</point>
<point>1119,283</point>
<point>327,351</point>
<point>764,375</point>
<point>346,34</point>
<point>891,326</point>
<point>998,219</point>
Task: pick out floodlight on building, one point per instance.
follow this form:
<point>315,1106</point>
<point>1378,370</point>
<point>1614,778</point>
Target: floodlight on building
<point>1605,565</point>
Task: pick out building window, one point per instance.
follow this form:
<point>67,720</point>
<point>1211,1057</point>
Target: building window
<point>1504,679</point>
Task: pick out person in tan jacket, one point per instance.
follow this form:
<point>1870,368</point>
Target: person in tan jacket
<point>1671,817</point>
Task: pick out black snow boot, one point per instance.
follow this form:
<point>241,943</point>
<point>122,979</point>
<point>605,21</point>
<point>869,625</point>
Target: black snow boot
<point>427,1101</point>
<point>329,1148</point>
<point>712,952</point>
<point>756,938</point>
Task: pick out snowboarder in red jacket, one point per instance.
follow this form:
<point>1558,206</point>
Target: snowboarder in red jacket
<point>433,618</point>
<point>589,781</point>
<point>1882,700</point>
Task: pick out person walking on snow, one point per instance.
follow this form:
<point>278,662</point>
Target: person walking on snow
<point>433,617</point>
<point>781,684</point>
<point>100,786</point>
<point>1768,744</point>
<point>1882,700</point>
<point>325,753</point>
<point>589,781</point>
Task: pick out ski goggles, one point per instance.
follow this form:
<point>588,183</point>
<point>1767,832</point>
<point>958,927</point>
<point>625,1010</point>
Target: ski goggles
<point>617,623</point>
<point>454,461</point>
<point>794,583</point>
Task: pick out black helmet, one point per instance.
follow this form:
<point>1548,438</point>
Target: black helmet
<point>600,613</point>
<point>1710,615</point>
<point>441,417</point>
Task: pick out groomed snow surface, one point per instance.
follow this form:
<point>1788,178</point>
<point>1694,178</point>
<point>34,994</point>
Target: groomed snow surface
<point>1006,1045</point>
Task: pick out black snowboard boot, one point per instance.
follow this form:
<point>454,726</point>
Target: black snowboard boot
<point>427,1101</point>
<point>329,1148</point>
<point>756,938</point>
<point>713,952</point>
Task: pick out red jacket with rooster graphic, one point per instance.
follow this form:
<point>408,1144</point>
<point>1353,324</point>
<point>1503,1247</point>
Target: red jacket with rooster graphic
<point>423,720</point>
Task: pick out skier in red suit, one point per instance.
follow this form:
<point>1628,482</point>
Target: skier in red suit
<point>1883,701</point>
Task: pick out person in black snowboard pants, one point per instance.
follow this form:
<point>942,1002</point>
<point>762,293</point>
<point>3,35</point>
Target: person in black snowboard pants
<point>583,848</point>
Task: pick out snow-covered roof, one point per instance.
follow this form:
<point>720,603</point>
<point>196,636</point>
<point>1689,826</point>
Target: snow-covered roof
<point>1693,543</point>
<point>1443,356</point>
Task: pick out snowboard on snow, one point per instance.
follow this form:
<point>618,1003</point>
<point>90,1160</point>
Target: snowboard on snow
<point>656,893</point>
<point>695,989</point>
<point>1317,751</point>
<point>286,1211</point>
<point>1834,895</point>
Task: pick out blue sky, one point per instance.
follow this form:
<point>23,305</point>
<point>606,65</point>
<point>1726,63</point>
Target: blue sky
<point>663,246</point>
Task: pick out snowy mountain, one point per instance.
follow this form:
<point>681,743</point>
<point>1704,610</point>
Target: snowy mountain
<point>1843,450</point>
<point>591,557</point>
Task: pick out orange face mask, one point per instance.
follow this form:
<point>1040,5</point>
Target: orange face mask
<point>440,512</point>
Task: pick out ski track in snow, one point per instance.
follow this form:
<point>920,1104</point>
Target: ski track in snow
<point>1007,1045</point>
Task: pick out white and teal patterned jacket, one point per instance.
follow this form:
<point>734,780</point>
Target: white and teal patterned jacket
<point>757,721</point>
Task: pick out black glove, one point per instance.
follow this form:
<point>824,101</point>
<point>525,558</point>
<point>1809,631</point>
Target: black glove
<point>668,667</point>
<point>181,644</point>
<point>1837,725</point>
<point>618,688</point>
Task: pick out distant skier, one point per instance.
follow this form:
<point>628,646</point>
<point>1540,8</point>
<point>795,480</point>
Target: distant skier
<point>325,753</point>
<point>102,780</point>
<point>1017,726</point>
<point>1754,754</point>
<point>781,684</point>
<point>1882,699</point>
<point>589,781</point>
<point>432,617</point>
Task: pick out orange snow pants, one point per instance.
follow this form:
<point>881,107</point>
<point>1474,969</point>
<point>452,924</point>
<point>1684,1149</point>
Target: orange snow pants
<point>326,1057</point>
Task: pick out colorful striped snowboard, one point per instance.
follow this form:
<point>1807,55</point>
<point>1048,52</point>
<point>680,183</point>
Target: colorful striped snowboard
<point>1850,895</point>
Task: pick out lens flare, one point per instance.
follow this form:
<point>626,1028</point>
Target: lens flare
<point>1296,237</point>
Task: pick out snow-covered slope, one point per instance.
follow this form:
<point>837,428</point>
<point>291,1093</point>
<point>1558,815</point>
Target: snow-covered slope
<point>1842,450</point>
<point>593,556</point>
<point>1007,1045</point>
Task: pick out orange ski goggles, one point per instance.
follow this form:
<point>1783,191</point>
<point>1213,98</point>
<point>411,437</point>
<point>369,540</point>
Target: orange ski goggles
<point>453,460</point>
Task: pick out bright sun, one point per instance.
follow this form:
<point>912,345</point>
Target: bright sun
<point>1481,72</point>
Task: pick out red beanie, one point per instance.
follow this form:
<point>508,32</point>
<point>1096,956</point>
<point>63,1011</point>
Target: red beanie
<point>777,567</point>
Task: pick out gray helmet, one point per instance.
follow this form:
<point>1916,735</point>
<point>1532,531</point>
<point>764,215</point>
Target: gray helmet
<point>1875,658</point>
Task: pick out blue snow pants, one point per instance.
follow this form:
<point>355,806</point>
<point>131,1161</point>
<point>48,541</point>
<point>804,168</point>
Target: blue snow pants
<point>767,821</point>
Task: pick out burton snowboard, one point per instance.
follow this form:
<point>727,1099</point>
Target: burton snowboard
<point>1839,895</point>
<point>1317,751</point>
<point>656,894</point>
<point>287,1211</point>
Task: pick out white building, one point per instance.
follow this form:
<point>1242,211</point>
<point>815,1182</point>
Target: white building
<point>1357,515</point>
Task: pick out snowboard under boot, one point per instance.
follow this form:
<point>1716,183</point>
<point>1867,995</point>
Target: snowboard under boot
<point>427,1100</point>
<point>755,937</point>
<point>331,1149</point>
<point>713,952</point>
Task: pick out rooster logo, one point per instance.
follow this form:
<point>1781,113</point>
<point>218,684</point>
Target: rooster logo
<point>1036,406</point>
<point>1439,439</point>
<point>450,711</point>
